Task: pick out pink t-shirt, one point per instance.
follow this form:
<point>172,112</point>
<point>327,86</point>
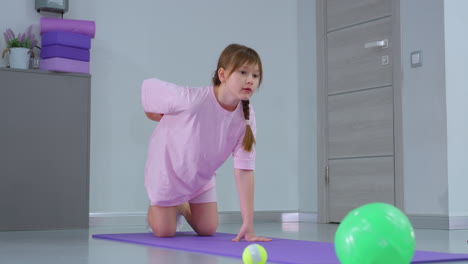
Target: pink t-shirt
<point>192,140</point>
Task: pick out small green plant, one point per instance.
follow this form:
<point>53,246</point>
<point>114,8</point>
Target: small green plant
<point>23,40</point>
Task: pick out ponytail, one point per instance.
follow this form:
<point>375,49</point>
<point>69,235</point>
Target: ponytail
<point>249,138</point>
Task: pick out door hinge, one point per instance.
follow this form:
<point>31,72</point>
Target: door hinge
<point>327,175</point>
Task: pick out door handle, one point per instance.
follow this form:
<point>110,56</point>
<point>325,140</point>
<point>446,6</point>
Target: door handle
<point>377,44</point>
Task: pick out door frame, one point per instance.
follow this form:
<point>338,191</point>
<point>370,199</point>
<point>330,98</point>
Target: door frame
<point>322,149</point>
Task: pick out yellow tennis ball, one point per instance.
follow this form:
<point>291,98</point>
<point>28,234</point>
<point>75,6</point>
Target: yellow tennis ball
<point>254,254</point>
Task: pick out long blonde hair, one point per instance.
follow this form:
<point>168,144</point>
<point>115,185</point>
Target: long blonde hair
<point>232,58</point>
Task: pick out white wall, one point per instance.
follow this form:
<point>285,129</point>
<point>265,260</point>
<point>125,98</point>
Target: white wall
<point>424,108</point>
<point>434,106</point>
<point>18,20</point>
<point>456,58</point>
<point>307,106</point>
<point>180,41</point>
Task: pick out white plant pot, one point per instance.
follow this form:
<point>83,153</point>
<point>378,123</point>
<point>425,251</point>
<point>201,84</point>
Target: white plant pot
<point>19,58</point>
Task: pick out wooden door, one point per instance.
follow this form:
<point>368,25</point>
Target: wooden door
<point>359,99</point>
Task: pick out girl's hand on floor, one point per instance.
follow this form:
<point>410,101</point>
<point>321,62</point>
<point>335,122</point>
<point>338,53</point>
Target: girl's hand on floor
<point>248,234</point>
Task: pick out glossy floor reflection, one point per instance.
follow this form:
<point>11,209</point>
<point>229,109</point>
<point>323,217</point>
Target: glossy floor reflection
<point>77,246</point>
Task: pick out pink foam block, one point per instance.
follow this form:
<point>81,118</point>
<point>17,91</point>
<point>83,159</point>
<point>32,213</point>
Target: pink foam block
<point>84,27</point>
<point>64,65</point>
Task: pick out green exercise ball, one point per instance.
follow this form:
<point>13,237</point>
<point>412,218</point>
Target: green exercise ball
<point>375,233</point>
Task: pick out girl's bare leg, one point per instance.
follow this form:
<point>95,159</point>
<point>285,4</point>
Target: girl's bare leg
<point>163,220</point>
<point>203,217</point>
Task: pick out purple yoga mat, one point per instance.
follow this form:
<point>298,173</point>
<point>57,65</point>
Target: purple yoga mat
<point>64,52</point>
<point>279,250</point>
<point>84,27</point>
<point>66,39</point>
<point>64,65</point>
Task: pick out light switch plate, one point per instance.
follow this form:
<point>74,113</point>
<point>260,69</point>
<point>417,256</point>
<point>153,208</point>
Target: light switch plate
<point>385,60</point>
<point>416,59</point>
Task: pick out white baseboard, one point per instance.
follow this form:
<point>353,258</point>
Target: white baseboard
<point>438,221</point>
<point>117,219</point>
<point>458,222</point>
<point>309,217</point>
<point>139,219</point>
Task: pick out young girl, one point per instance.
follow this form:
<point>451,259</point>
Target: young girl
<point>199,128</point>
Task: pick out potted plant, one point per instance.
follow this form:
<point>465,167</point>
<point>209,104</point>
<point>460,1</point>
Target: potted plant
<point>20,47</point>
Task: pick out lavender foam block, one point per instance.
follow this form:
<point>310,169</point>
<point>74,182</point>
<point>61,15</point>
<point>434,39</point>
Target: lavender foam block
<point>66,39</point>
<point>64,65</point>
<point>64,52</point>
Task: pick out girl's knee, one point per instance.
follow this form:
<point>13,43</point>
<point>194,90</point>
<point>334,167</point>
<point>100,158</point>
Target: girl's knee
<point>207,230</point>
<point>164,233</point>
<point>162,221</point>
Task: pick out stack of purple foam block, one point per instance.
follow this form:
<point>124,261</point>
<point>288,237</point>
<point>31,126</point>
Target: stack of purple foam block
<point>66,44</point>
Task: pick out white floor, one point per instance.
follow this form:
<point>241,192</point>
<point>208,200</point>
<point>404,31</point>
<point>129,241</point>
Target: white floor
<point>77,246</point>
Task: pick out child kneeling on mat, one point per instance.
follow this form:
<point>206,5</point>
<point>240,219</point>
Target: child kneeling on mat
<point>199,128</point>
